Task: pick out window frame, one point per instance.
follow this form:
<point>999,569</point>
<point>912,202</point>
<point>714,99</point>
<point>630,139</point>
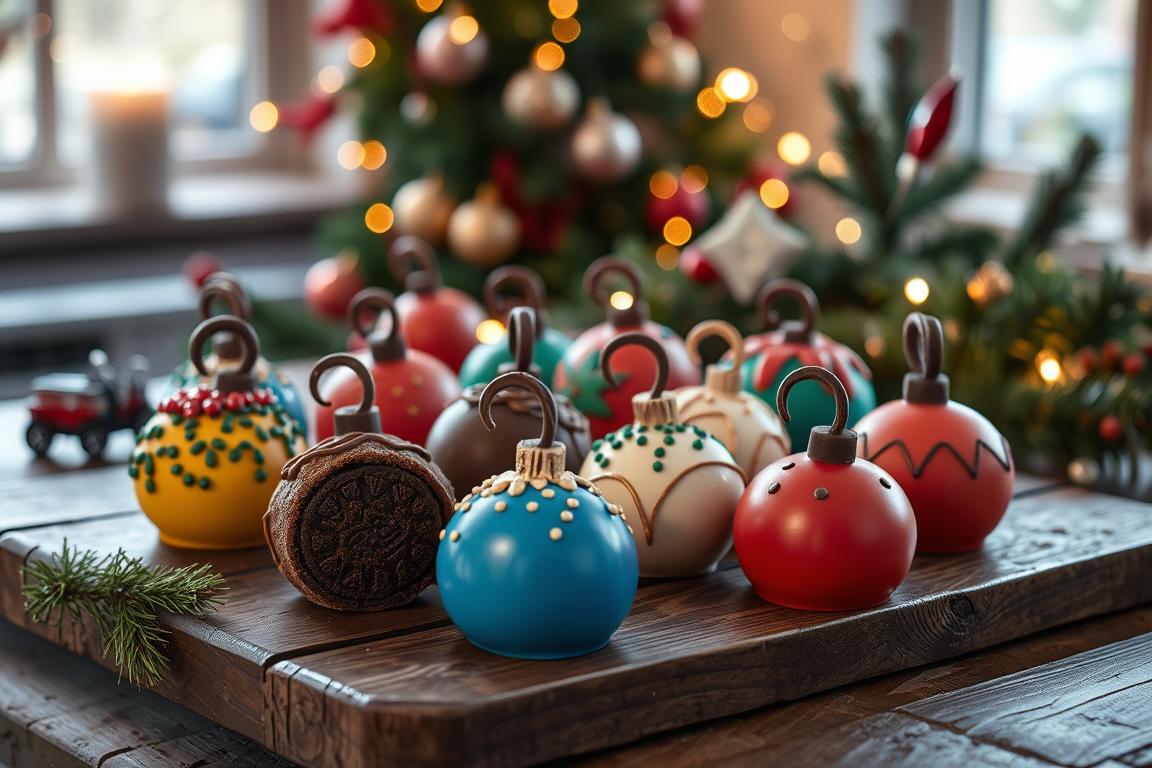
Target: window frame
<point>277,29</point>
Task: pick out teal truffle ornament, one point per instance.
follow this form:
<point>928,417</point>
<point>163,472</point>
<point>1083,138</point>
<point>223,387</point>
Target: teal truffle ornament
<point>484,361</point>
<point>770,357</point>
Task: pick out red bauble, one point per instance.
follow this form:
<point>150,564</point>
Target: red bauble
<point>200,266</point>
<point>330,285</point>
<point>308,116</point>
<point>931,119</point>
<point>433,319</point>
<point>955,467</point>
<point>694,206</point>
<point>412,388</point>
<point>366,16</point>
<point>1110,429</point>
<point>1087,357</point>
<point>821,531</point>
<point>578,375</point>
<point>1110,353</point>
<point>1133,364</point>
<point>696,266</point>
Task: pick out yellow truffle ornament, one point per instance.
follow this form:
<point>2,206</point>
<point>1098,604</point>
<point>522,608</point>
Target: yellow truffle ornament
<point>206,464</point>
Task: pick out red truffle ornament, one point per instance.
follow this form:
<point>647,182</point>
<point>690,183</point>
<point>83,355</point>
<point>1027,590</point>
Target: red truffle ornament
<point>433,318</point>
<point>579,376</point>
<point>953,464</point>
<point>411,387</point>
<point>824,531</point>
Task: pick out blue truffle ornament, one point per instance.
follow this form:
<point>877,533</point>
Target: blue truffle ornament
<point>535,564</point>
<point>226,350</point>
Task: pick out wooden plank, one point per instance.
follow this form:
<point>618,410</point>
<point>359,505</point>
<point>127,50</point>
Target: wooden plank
<point>1078,711</point>
<point>73,496</point>
<point>704,648</point>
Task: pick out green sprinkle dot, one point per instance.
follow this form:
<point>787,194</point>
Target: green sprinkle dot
<point>219,444</point>
<point>177,469</point>
<point>173,451</point>
<point>189,479</point>
<point>139,458</point>
<point>659,453</point>
<point>261,434</point>
<point>245,421</point>
<point>258,456</point>
<point>234,455</point>
<point>657,466</point>
<point>177,419</point>
<point>226,427</point>
<point>699,432</point>
<point>162,451</point>
<point>604,463</point>
<point>642,440</point>
<point>211,459</point>
<point>150,485</point>
<point>698,444</point>
<point>204,483</point>
<point>642,428</point>
<point>197,447</point>
<point>133,471</point>
<point>680,427</point>
<point>617,446</point>
<point>276,432</point>
<point>149,464</point>
<point>192,424</point>
<point>261,475</point>
<point>596,445</point>
<point>669,440</point>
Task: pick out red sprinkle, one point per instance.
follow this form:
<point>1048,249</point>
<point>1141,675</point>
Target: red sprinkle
<point>190,403</point>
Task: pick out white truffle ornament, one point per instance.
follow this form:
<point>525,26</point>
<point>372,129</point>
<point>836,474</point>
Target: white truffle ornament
<point>678,485</point>
<point>748,427</point>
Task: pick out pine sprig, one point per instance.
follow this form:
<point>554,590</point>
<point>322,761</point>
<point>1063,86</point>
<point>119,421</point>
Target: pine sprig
<point>124,598</point>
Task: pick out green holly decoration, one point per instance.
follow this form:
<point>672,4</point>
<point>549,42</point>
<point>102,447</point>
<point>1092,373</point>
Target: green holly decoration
<point>586,387</point>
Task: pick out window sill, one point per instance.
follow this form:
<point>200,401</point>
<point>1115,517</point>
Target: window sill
<point>37,219</point>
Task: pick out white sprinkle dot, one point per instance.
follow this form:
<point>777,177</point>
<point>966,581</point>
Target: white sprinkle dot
<point>442,532</point>
<point>555,534</point>
<point>455,536</point>
<point>548,493</point>
<point>532,506</point>
<point>573,503</point>
<point>566,516</point>
<point>501,506</point>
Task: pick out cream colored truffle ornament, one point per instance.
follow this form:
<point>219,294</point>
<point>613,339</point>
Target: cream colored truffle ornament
<point>747,426</point>
<point>677,484</point>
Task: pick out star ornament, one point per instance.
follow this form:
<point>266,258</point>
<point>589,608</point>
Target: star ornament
<point>749,245</point>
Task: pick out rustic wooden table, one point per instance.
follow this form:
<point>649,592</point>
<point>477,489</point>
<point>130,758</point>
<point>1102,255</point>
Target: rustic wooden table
<point>1071,693</point>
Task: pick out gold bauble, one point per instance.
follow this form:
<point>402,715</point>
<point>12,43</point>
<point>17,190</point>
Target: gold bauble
<point>668,61</point>
<point>540,99</point>
<point>422,207</point>
<point>449,53</point>
<point>483,232</point>
<point>991,283</point>
<point>606,145</point>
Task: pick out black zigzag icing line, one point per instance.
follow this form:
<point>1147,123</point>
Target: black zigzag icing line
<point>973,468</point>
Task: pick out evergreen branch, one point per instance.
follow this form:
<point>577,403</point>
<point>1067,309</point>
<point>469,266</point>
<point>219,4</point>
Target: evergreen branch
<point>1057,203</point>
<point>901,90</point>
<point>837,186</point>
<point>945,182</point>
<point>860,142</point>
<point>974,243</point>
<point>124,598</point>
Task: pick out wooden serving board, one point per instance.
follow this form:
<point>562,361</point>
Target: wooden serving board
<point>404,688</point>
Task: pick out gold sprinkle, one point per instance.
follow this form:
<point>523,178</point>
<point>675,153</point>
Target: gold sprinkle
<point>412,410</point>
<point>630,529</point>
<point>485,493</point>
<point>465,507</point>
<point>555,534</point>
<point>456,507</point>
<point>501,506</point>
<point>517,487</point>
<point>416,380</point>
<point>566,516</point>
<point>397,391</point>
<point>548,493</point>
<point>573,503</point>
<point>475,489</point>
<point>567,482</point>
<point>455,536</point>
<point>442,532</point>
<point>540,483</point>
<point>532,506</point>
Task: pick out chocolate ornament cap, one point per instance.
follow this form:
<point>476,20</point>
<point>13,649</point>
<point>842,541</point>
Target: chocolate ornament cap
<point>348,419</point>
<point>384,345</point>
<point>654,407</point>
<point>409,249</point>
<point>830,444</point>
<point>797,332</point>
<point>634,315</point>
<point>240,379</point>
<point>924,351</point>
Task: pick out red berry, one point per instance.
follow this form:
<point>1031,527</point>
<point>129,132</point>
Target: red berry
<point>1087,357</point>
<point>696,265</point>
<point>233,401</point>
<point>191,410</point>
<point>1111,429</point>
<point>1110,352</point>
<point>1133,364</point>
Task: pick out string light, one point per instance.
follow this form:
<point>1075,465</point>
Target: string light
<point>375,155</point>
<point>677,230</point>
<point>490,331</point>
<point>794,148</point>
<point>566,30</point>
<point>264,116</point>
<point>463,29</point>
<point>330,79</point>
<point>562,9</point>
<point>710,103</point>
<point>916,290</point>
<point>621,300</point>
<point>758,116</point>
<point>667,257</point>
<point>1046,261</point>
<point>832,164</point>
<point>378,218</point>
<point>350,155</point>
<point>694,178</point>
<point>1048,366</point>
<point>548,56</point>
<point>663,185</point>
<point>774,193</point>
<point>361,52</point>
<point>875,345</point>
<point>848,230</point>
<point>795,27</point>
<point>429,6</point>
<point>735,85</point>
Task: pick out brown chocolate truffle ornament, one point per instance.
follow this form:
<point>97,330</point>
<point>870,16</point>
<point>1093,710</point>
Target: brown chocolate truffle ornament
<point>354,523</point>
<point>469,454</point>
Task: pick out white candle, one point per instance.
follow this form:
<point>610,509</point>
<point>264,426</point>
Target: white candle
<point>130,151</point>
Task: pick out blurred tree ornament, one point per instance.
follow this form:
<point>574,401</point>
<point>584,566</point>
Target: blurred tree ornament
<point>1133,364</point>
<point>681,16</point>
<point>543,223</point>
<point>483,232</point>
<point>200,266</point>
<point>691,204</point>
<point>366,16</point>
<point>931,119</point>
<point>785,201</point>
<point>989,284</point>
<point>1110,353</point>
<point>1084,472</point>
<point>1110,429</point>
<point>749,246</point>
<point>307,116</point>
<point>417,108</point>
<point>668,61</point>
<point>606,145</point>
<point>696,266</point>
<point>423,207</point>
<point>540,99</point>
<point>331,283</point>
<point>451,49</point>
